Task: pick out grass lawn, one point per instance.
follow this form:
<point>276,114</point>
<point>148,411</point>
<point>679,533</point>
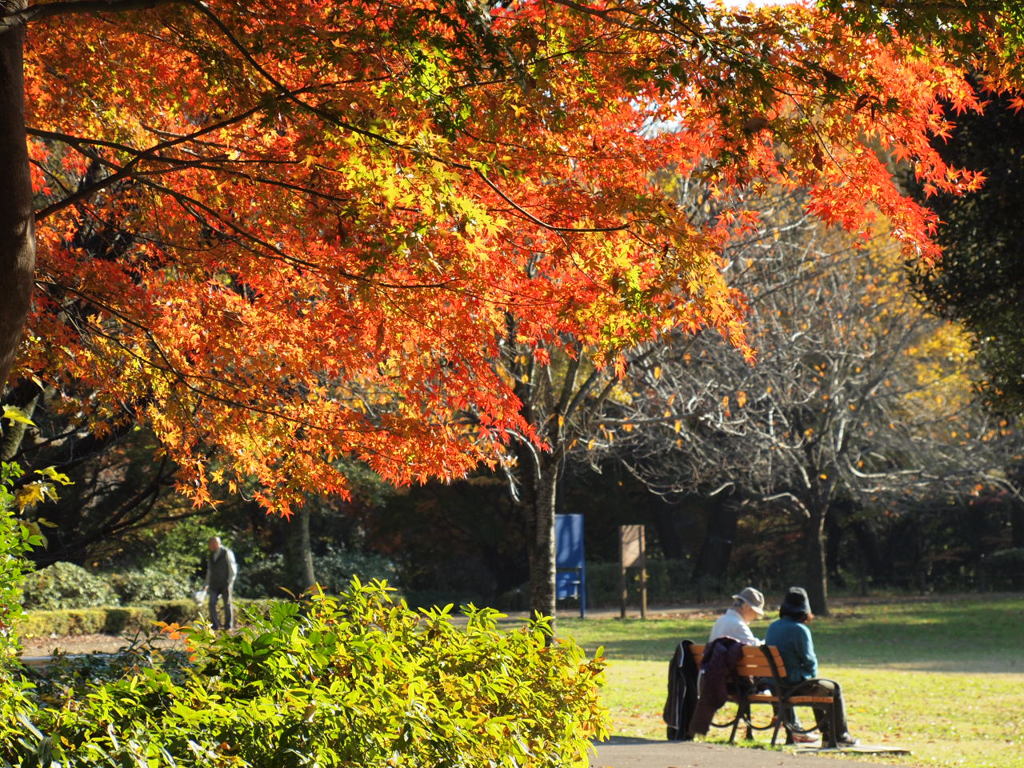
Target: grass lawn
<point>943,677</point>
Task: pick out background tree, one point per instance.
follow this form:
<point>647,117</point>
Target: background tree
<point>283,233</point>
<point>848,403</point>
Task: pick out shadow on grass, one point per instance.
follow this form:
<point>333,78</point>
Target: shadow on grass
<point>628,740</point>
<point>979,634</point>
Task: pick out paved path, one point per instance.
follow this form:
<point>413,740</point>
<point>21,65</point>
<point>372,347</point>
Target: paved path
<point>643,753</point>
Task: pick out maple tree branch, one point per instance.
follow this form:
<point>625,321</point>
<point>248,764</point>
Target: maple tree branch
<point>165,365</point>
<point>289,93</point>
<point>140,155</point>
<point>539,222</point>
<point>277,253</point>
<point>16,18</point>
<point>334,119</point>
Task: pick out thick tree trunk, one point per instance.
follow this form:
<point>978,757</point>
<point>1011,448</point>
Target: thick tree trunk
<point>17,242</point>
<point>542,538</point>
<point>839,512</point>
<point>538,498</point>
<point>815,573</point>
<point>299,552</point>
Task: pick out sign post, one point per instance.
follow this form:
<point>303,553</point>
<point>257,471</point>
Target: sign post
<point>570,566</point>
<point>632,554</point>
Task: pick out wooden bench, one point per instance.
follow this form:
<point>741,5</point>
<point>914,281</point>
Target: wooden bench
<point>764,662</point>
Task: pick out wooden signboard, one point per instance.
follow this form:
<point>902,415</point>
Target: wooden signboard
<point>632,554</point>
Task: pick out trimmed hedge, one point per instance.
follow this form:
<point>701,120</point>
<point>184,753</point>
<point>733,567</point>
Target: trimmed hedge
<point>175,611</point>
<point>109,620</point>
<point>86,621</point>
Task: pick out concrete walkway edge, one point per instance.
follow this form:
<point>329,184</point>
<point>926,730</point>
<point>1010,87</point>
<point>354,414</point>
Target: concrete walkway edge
<point>645,753</point>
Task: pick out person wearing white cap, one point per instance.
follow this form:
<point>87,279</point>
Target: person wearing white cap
<point>747,606</point>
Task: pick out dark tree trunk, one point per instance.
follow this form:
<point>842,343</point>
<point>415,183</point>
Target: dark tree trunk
<point>815,573</point>
<point>666,518</point>
<point>873,564</point>
<point>1017,524</point>
<point>17,240</point>
<point>542,538</point>
<point>538,499</point>
<point>835,527</point>
<point>299,551</point>
<point>716,551</point>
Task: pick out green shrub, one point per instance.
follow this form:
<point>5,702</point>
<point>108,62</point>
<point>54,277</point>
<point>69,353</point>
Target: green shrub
<point>66,585</point>
<point>336,568</point>
<point>69,677</point>
<point>261,577</point>
<point>87,621</point>
<point>128,619</point>
<point>148,584</point>
<point>264,576</point>
<point>359,680</point>
<point>179,548</point>
<point>188,611</point>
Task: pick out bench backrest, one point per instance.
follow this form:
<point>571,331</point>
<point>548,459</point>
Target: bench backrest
<point>755,661</point>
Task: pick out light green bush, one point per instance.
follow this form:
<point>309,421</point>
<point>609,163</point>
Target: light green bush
<point>358,680</point>
<point>179,548</point>
<point>66,585</point>
<point>16,538</point>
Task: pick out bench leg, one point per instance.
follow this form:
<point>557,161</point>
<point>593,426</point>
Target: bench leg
<point>833,735</point>
<point>735,725</point>
<point>742,713</point>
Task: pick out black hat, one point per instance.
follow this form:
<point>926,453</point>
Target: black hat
<point>795,602</point>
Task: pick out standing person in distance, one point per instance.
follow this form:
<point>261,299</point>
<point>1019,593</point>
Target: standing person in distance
<point>791,635</point>
<point>747,606</point>
<point>221,570</point>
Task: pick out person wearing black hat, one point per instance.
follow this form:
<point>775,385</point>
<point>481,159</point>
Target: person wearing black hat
<point>791,635</point>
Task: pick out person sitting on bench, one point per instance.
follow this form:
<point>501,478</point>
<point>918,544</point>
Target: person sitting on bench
<point>791,635</point>
<point>747,606</point>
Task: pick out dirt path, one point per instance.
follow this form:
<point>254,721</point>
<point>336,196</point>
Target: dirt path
<point>644,753</point>
<point>46,646</point>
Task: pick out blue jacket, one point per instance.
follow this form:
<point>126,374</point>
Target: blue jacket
<point>793,639</point>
